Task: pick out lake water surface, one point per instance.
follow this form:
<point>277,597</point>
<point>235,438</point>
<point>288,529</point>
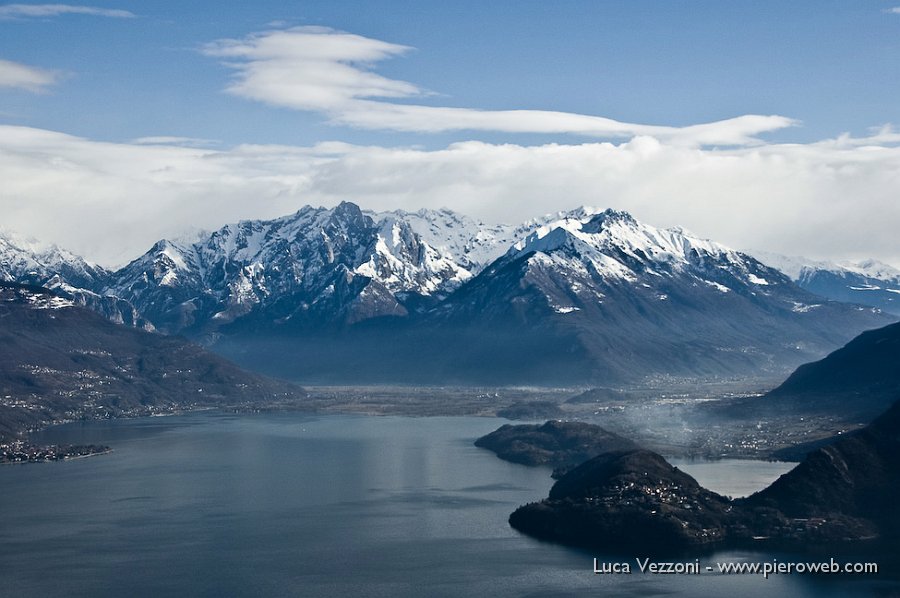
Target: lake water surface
<point>297,505</point>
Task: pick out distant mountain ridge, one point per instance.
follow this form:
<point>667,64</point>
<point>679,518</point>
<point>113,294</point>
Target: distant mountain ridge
<point>582,297</point>
<point>868,282</point>
<point>593,296</point>
<point>315,267</point>
<point>604,293</point>
<point>28,261</point>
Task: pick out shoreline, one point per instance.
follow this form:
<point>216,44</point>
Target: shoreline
<point>50,453</point>
<point>673,421</point>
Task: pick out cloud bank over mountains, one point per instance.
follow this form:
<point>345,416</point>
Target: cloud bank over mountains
<point>110,201</point>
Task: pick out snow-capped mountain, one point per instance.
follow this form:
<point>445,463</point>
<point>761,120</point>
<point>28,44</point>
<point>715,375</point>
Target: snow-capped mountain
<point>584,297</point>
<point>868,282</point>
<point>29,261</point>
<point>317,266</point>
<point>601,296</point>
<point>344,295</point>
<point>470,243</point>
<point>586,258</point>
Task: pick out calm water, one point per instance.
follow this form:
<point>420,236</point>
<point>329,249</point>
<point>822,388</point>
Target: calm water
<point>733,477</point>
<point>292,505</point>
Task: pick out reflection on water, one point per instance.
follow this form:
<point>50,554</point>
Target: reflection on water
<point>292,505</point>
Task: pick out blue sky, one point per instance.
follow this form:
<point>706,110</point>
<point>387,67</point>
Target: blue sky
<point>832,65</point>
<point>763,124</point>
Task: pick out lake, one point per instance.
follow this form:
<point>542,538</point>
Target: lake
<point>295,505</point>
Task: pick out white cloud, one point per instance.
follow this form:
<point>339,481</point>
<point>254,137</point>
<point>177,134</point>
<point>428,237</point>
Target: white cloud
<point>895,10</point>
<point>832,200</point>
<point>322,70</point>
<point>174,140</point>
<point>29,78</point>
<point>883,135</point>
<point>19,11</point>
<point>309,68</point>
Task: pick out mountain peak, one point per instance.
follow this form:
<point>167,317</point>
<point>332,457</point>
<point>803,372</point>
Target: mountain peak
<point>347,214</point>
<point>26,259</point>
<point>10,237</point>
<point>347,208</point>
<point>613,236</point>
<point>606,218</point>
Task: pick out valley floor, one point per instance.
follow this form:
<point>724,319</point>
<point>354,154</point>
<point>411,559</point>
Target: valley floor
<point>675,418</point>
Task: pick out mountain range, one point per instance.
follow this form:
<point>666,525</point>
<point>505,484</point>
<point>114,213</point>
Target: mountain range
<point>318,268</point>
<point>27,261</point>
<point>345,295</point>
<point>868,282</point>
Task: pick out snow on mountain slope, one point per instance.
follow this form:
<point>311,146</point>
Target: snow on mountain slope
<point>404,261</point>
<point>868,282</point>
<point>339,264</point>
<point>598,296</point>
<point>788,264</point>
<point>613,245</point>
<point>872,269</point>
<point>28,260</point>
<point>342,265</point>
<point>471,244</point>
<point>430,296</point>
